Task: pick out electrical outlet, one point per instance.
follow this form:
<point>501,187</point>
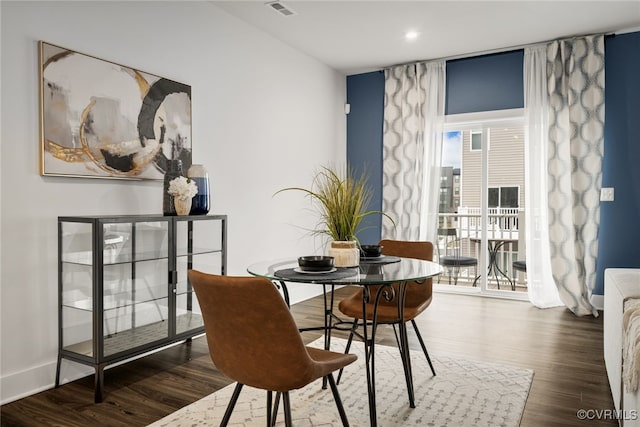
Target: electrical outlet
<point>606,194</point>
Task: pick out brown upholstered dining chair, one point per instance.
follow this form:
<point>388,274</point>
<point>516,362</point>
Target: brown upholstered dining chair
<point>253,339</point>
<point>418,295</point>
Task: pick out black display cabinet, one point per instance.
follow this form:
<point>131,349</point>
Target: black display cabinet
<point>123,286</point>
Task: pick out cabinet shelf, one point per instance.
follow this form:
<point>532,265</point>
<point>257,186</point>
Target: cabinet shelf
<point>111,303</point>
<point>123,289</point>
<point>136,337</point>
<point>86,258</point>
<point>199,251</point>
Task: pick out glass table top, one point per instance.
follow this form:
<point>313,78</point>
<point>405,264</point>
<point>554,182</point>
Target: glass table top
<point>369,272</point>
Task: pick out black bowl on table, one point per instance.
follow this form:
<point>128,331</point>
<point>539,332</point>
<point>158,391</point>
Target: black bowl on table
<point>371,251</point>
<point>315,263</point>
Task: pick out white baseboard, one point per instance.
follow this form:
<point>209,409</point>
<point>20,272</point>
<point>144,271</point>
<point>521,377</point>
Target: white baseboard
<point>597,301</point>
<point>31,381</point>
<point>34,380</point>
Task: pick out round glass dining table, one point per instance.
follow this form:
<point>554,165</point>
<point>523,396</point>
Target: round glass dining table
<point>393,273</point>
<point>371,271</point>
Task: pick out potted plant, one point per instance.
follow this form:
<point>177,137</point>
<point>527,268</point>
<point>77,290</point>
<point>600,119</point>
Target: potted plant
<point>342,200</point>
<point>182,189</point>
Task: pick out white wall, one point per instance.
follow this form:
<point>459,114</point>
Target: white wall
<point>264,117</point>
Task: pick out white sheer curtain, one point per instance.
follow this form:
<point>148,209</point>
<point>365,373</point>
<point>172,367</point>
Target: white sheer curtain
<point>541,287</point>
<point>412,146</point>
<point>435,85</point>
<point>564,100</point>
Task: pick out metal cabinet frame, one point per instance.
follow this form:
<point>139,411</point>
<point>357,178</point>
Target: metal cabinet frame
<point>97,358</point>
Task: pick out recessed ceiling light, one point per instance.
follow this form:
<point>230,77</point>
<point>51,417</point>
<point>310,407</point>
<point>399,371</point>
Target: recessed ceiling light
<point>411,35</point>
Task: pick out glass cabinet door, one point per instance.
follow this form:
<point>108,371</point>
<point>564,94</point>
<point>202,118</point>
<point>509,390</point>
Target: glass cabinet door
<point>76,287</point>
<point>135,284</point>
<point>199,246</point>
<point>114,284</point>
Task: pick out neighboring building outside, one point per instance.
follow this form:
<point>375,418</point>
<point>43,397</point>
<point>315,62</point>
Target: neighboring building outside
<point>506,168</point>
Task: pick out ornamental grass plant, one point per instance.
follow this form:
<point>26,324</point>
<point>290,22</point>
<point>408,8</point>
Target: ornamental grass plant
<point>342,200</point>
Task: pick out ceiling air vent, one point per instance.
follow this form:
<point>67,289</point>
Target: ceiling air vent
<point>281,8</point>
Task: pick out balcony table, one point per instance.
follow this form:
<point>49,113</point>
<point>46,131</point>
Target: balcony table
<point>496,239</point>
<point>370,272</point>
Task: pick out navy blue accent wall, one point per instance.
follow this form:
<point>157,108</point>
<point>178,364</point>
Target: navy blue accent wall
<point>365,94</point>
<point>485,83</point>
<point>619,238</point>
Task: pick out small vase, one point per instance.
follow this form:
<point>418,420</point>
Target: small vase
<point>345,253</point>
<point>183,206</point>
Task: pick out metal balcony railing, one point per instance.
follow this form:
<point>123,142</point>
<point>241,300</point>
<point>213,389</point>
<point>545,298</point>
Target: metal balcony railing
<point>466,228</point>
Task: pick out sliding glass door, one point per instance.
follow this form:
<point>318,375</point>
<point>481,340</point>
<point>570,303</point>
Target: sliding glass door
<point>481,214</point>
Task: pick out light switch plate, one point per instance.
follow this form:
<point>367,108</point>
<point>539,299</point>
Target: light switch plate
<point>606,194</point>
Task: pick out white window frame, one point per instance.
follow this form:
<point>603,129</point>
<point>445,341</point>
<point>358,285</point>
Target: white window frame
<point>463,121</point>
<point>475,132</point>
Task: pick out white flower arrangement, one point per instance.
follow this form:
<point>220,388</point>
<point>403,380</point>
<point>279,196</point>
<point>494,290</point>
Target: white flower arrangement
<point>182,188</point>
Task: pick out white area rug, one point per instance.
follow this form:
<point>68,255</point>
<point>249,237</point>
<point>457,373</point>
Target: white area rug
<point>463,393</point>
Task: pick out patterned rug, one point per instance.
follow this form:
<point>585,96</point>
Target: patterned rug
<point>464,393</point>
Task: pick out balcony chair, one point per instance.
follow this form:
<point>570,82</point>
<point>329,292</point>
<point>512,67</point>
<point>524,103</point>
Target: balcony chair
<point>253,339</point>
<point>520,265</point>
<point>418,297</point>
<point>452,259</point>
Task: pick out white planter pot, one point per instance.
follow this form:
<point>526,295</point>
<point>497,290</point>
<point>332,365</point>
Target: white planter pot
<point>345,253</point>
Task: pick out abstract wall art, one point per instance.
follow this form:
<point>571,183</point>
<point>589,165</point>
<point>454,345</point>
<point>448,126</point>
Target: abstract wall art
<point>99,119</point>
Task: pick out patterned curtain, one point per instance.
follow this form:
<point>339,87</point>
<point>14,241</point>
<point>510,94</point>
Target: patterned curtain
<point>412,144</point>
<point>575,71</point>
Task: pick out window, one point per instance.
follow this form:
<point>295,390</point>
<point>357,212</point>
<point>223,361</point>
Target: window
<point>494,197</point>
<point>501,133</point>
<point>509,197</point>
<point>504,197</point>
<point>476,140</point>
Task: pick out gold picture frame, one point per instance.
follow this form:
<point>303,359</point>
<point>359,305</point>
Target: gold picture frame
<point>99,119</point>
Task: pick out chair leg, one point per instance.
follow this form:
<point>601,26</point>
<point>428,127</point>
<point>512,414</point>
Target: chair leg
<point>456,269</point>
<point>231,405</point>
<point>475,271</point>
<point>272,408</point>
<point>336,397</point>
<point>424,348</point>
<point>276,406</point>
<point>287,409</point>
<point>354,326</point>
<point>269,403</point>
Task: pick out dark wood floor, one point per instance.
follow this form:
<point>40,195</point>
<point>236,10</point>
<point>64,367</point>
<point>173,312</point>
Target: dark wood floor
<point>564,351</point>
